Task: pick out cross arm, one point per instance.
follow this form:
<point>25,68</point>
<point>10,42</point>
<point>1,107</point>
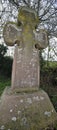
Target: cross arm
<point>41,39</point>
<point>12,33</point>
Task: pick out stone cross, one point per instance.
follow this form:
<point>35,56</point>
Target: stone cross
<point>26,68</point>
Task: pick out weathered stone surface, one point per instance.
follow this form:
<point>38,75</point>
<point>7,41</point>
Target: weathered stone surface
<point>25,35</point>
<point>25,69</point>
<point>12,33</point>
<point>26,72</point>
<point>26,111</point>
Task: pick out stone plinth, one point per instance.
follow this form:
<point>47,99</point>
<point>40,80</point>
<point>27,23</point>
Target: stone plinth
<point>25,71</point>
<point>26,111</point>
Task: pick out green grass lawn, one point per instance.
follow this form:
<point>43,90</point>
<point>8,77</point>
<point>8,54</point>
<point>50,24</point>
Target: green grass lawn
<point>53,63</point>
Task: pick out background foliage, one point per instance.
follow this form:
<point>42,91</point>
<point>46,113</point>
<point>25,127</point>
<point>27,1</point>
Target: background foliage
<point>5,62</point>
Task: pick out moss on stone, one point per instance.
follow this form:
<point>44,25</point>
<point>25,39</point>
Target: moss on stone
<point>28,15</point>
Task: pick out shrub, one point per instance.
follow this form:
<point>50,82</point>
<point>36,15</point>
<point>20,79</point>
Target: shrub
<point>7,66</point>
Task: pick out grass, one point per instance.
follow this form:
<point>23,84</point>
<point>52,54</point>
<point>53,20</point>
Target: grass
<point>53,63</point>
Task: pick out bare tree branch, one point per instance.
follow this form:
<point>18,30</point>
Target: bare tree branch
<point>27,3</point>
<point>14,3</point>
<point>38,3</point>
<point>47,8</point>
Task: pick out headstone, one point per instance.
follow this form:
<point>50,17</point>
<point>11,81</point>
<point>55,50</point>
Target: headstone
<point>26,68</point>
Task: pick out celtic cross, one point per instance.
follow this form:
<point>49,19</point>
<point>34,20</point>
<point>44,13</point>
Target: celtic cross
<point>29,41</point>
